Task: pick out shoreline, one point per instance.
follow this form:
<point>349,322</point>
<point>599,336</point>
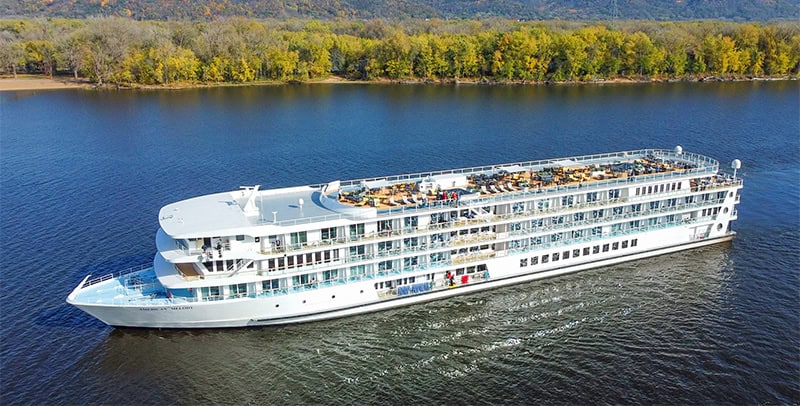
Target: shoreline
<point>40,82</point>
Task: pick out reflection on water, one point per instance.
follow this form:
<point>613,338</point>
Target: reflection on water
<point>465,341</point>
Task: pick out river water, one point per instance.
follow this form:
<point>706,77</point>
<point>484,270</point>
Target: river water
<point>84,174</point>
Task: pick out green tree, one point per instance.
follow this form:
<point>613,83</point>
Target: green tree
<point>42,55</point>
<point>12,55</point>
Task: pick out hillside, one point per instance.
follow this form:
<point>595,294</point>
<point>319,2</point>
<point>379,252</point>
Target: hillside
<point>735,10</point>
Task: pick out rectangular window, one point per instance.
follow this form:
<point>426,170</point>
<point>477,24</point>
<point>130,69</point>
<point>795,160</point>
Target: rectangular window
<point>555,256</point>
<point>586,251</point>
<point>615,246</point>
<point>384,246</point>
<point>637,191</point>
<point>596,249</point>
<point>238,290</point>
<point>357,250</point>
<point>576,253</point>
<point>545,259</point>
<point>605,247</point>
<point>523,262</point>
<point>298,238</point>
<point>634,242</point>
<point>625,244</point>
<point>328,234</point>
<point>269,285</point>
<point>331,275</point>
<point>357,230</point>
<point>565,255</point>
<point>299,280</point>
<point>210,291</point>
<point>385,226</point>
<point>410,262</point>
<point>358,271</point>
<point>534,260</point>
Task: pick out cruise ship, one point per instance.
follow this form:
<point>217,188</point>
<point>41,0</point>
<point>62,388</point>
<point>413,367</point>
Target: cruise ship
<point>253,257</point>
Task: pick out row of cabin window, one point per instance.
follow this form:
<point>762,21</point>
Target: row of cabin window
<point>215,292</point>
<point>556,256</point>
<point>333,255</point>
<point>399,282</point>
<point>298,260</point>
<point>664,187</point>
<point>301,237</point>
<point>223,265</point>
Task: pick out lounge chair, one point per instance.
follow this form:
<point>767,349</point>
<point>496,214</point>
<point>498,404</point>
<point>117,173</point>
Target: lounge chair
<point>405,200</point>
<point>494,189</point>
<point>392,202</point>
<point>483,189</point>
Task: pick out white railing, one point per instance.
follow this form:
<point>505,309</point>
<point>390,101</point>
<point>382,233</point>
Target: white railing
<point>106,277</point>
<point>705,165</point>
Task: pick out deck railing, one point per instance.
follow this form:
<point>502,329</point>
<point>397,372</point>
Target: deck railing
<point>113,275</point>
<point>705,165</point>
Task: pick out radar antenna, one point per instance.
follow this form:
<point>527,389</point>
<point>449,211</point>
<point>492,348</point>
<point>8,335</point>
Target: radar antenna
<point>736,165</point>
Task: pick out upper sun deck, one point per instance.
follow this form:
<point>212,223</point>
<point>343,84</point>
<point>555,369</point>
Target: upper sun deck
<point>237,212</point>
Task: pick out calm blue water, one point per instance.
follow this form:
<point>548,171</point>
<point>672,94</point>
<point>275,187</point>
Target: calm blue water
<point>84,173</point>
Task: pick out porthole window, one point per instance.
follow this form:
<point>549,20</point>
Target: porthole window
<point>725,210</point>
<point>730,194</point>
<point>333,296</point>
<point>304,302</point>
<point>362,291</point>
<point>277,305</point>
<point>719,227</point>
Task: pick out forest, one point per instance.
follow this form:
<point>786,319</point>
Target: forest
<point>124,52</point>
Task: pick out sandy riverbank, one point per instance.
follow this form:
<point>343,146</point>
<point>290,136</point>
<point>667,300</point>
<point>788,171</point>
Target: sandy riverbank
<point>26,82</point>
<point>34,82</point>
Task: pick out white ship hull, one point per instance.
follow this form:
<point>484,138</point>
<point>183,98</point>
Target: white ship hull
<point>248,312</point>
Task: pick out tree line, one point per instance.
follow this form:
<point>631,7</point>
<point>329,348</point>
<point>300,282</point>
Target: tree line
<point>120,51</point>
